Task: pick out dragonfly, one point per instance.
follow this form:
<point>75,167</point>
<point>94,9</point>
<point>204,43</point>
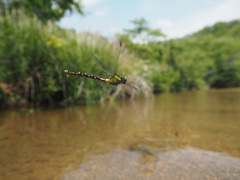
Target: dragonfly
<point>112,79</point>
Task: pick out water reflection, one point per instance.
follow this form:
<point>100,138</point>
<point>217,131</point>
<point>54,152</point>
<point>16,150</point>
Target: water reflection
<point>172,136</point>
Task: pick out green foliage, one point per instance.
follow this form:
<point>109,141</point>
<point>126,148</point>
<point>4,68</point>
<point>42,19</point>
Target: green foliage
<point>34,55</point>
<point>44,9</point>
<point>221,44</point>
<point>164,80</point>
<point>4,98</point>
<point>141,33</point>
<point>208,58</point>
<point>140,27</point>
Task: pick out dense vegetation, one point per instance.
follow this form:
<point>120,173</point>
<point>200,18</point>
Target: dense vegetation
<point>44,10</point>
<point>34,54</point>
<point>208,58</point>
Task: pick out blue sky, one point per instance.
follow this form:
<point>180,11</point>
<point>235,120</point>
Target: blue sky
<point>175,18</point>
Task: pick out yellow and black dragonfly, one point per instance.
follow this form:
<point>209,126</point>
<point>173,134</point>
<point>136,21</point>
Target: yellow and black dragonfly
<point>113,78</point>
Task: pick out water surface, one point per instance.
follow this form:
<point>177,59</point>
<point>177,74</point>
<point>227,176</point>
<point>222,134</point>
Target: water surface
<point>189,135</point>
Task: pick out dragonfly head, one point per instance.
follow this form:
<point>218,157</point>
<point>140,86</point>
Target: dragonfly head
<point>124,79</point>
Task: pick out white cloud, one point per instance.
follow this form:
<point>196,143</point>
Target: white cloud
<point>226,11</point>
<point>88,3</point>
<point>164,23</point>
<point>102,12</point>
<point>113,29</point>
<point>149,5</point>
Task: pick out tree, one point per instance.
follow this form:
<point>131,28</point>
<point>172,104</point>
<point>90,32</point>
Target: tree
<point>142,33</point>
<point>140,27</point>
<point>45,9</point>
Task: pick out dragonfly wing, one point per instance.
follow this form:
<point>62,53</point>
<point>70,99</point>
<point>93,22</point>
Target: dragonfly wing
<point>132,87</point>
<point>117,61</point>
<point>100,65</point>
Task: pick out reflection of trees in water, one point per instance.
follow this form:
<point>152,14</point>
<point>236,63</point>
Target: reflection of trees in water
<point>30,122</point>
<point>136,114</point>
<point>144,129</point>
<point>8,119</point>
<point>3,123</point>
<point>133,123</point>
<point>125,124</point>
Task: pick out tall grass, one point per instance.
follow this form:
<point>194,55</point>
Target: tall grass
<point>33,57</point>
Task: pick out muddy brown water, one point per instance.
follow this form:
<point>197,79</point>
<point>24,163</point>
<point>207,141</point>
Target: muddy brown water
<point>188,135</point>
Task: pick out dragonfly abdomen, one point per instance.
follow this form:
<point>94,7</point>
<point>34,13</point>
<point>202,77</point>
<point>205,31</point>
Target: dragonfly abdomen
<point>85,75</point>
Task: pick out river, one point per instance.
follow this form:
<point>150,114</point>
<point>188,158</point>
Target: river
<point>187,135</point>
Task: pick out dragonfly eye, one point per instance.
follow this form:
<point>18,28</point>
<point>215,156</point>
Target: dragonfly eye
<point>124,80</point>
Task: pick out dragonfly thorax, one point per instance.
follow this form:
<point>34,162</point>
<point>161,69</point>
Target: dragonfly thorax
<point>124,79</point>
<point>116,80</point>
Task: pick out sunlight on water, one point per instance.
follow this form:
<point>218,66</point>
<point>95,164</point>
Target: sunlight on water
<point>189,135</point>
